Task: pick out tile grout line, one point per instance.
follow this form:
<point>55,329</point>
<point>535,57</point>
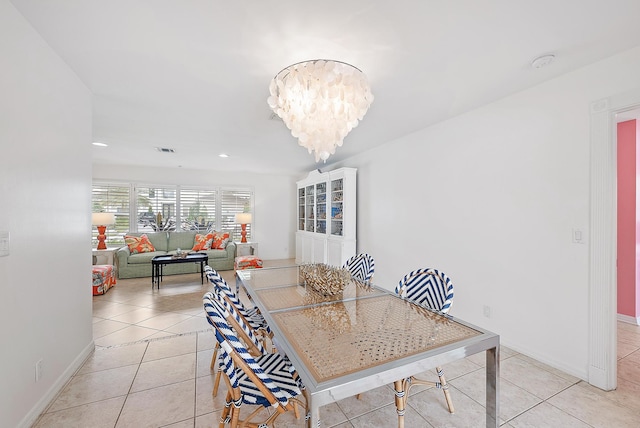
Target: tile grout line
<point>545,400</point>
<point>126,397</point>
<point>171,336</point>
<point>195,382</point>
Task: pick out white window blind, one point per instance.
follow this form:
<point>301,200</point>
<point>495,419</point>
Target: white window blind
<point>181,208</point>
<point>151,201</point>
<point>197,209</point>
<point>233,202</point>
<point>112,198</point>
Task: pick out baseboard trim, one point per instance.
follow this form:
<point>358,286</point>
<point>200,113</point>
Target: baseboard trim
<point>545,359</point>
<point>629,319</point>
<point>33,415</point>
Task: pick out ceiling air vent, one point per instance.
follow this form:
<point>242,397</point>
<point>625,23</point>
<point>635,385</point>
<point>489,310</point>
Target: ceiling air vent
<point>165,150</point>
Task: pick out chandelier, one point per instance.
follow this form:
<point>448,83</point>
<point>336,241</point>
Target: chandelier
<point>320,101</point>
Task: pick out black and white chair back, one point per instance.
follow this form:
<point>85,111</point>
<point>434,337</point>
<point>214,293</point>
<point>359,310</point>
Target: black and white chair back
<point>251,316</point>
<point>242,330</point>
<point>428,287</point>
<point>361,266</point>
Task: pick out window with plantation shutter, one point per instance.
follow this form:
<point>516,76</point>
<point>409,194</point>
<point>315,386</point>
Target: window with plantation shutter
<point>149,208</point>
<point>112,198</point>
<point>156,208</point>
<point>197,209</point>
<point>233,202</point>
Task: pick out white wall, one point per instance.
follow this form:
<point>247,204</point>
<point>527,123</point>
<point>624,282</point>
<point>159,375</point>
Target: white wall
<point>491,198</point>
<point>274,211</point>
<point>45,185</point>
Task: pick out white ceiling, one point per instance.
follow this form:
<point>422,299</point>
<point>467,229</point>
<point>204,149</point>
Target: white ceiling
<point>193,75</point>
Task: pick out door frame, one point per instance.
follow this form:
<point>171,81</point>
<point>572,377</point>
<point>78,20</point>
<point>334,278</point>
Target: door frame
<point>602,359</point>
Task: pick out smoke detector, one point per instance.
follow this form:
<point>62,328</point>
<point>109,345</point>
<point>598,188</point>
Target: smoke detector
<point>543,60</point>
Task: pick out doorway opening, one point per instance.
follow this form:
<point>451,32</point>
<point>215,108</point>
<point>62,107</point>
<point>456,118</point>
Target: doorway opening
<point>602,370</point>
<point>627,215</point>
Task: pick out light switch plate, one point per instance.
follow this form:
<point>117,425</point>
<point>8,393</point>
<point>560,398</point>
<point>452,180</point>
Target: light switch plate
<point>578,236</point>
<point>5,239</point>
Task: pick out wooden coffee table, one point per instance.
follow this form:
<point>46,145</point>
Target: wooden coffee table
<point>158,262</point>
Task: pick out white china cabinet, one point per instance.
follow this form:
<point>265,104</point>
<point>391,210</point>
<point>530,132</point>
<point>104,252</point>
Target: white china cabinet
<point>326,231</point>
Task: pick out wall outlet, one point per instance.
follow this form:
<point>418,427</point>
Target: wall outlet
<point>39,370</point>
<point>486,310</point>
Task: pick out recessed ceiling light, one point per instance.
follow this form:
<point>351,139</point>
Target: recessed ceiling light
<point>223,155</point>
<point>543,60</point>
<point>99,144</point>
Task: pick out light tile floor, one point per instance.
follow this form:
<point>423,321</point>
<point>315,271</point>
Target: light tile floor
<point>151,369</point>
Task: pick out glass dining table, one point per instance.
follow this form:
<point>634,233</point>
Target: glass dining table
<point>362,338</point>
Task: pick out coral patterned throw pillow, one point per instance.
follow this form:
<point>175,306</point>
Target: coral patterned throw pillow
<point>203,242</point>
<point>139,244</point>
<point>220,240</point>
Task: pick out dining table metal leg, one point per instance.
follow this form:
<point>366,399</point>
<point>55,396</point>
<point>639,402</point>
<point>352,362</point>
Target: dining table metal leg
<point>493,388</point>
<point>314,414</point>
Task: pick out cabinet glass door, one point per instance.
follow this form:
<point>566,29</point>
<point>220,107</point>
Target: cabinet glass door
<point>309,208</point>
<point>321,208</point>
<point>301,216</point>
<point>337,200</point>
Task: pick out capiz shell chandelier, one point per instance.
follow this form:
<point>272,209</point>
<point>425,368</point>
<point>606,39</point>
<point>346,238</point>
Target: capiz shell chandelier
<point>320,101</point>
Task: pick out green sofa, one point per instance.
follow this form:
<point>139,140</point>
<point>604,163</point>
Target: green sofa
<point>167,243</point>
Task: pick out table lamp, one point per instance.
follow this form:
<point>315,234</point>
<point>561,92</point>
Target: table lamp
<point>102,220</point>
<point>243,219</point>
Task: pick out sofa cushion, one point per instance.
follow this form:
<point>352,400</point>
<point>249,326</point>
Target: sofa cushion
<point>182,240</point>
<point>203,242</point>
<point>159,240</point>
<point>139,244</point>
<point>216,254</point>
<point>144,257</point>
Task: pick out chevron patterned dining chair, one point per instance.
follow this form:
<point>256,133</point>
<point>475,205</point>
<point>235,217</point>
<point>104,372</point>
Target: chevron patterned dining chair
<point>267,380</point>
<point>361,266</point>
<point>250,317</point>
<point>433,289</point>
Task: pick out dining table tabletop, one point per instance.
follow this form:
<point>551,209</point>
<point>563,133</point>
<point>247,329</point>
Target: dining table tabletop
<point>364,337</point>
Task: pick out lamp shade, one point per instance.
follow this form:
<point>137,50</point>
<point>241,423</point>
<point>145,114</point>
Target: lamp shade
<point>243,218</point>
<point>103,219</point>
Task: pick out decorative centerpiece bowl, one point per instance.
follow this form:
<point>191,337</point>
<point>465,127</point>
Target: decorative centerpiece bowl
<point>326,280</point>
<point>180,254</point>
